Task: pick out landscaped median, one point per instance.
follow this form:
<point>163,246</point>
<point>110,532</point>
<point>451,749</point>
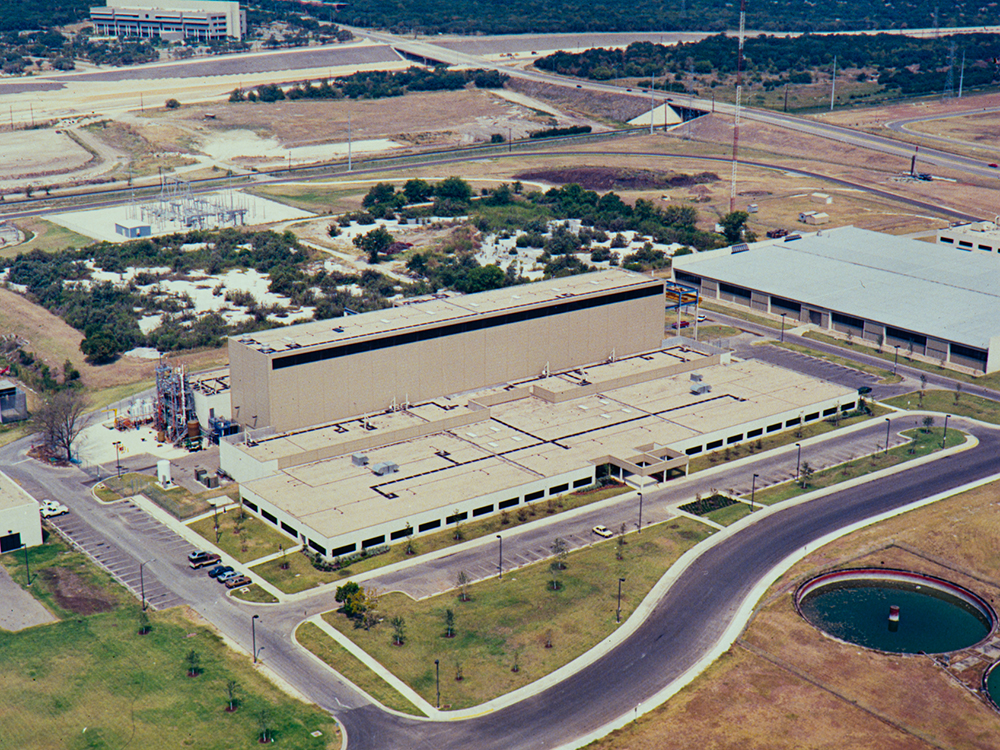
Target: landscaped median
<point>513,631</point>
<point>923,442</point>
<point>955,403</point>
<point>300,574</point>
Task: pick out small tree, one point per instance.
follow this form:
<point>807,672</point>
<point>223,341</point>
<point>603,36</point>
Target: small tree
<point>144,626</point>
<point>554,583</point>
<point>517,660</point>
<point>374,243</point>
<point>398,629</point>
<point>561,552</point>
<point>449,624</point>
<point>458,671</point>
<point>409,538</point>
<point>370,601</point>
<point>458,535</point>
<point>264,724</point>
<point>620,544</point>
<point>172,104</point>
<point>231,687</point>
<point>463,586</point>
<point>333,230</point>
<point>958,392</point>
<point>805,474</point>
<point>928,423</point>
<point>193,659</point>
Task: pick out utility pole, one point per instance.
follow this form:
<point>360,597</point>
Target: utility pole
<point>739,93</point>
<point>961,76</point>
<point>652,104</point>
<point>348,141</point>
<point>833,83</point>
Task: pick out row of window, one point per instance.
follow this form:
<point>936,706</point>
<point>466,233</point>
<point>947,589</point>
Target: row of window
<point>467,326</point>
<point>965,245</point>
<point>777,426</point>
<point>557,489</point>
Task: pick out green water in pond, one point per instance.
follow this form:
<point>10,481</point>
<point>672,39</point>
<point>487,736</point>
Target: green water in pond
<point>930,621</point>
<point>993,685</point>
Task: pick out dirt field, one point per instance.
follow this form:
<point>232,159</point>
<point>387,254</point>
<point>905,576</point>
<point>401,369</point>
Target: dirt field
<point>32,153</point>
<point>418,119</point>
<point>74,594</point>
<point>785,685</point>
<point>980,129</point>
<point>613,178</point>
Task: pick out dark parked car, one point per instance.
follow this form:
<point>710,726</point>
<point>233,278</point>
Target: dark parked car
<point>220,570</point>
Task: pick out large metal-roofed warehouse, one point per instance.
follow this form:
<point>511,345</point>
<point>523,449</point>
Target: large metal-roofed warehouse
<point>289,378</point>
<point>913,297</point>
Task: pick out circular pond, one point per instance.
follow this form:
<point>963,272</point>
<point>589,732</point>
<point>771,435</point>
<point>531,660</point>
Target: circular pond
<point>991,682</point>
<point>895,611</point>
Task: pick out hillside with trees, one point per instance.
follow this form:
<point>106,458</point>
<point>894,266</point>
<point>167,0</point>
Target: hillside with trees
<point>892,62</point>
<point>583,16</point>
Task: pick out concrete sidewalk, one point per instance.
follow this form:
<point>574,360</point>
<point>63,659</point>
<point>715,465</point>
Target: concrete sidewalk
<point>18,608</point>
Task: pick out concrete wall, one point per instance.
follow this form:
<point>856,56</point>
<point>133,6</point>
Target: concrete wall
<point>369,382</point>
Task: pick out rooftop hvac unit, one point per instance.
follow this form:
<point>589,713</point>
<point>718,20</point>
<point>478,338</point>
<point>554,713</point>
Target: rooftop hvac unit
<point>695,377</point>
<point>359,459</point>
<point>700,389</point>
<point>385,467</point>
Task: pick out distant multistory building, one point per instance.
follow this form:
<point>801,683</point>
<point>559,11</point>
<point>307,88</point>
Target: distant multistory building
<point>201,20</point>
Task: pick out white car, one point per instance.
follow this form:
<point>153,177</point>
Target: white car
<point>51,508</point>
<point>602,531</point>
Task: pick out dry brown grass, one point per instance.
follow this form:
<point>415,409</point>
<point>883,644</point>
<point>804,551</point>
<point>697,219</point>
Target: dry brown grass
<point>53,341</point>
<point>786,685</point>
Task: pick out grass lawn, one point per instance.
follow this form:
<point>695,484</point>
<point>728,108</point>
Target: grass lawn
<point>924,444</point>
<point>520,621</point>
<point>708,332</point>
<point>737,313</point>
<point>352,668</point>
<point>886,376</point>
<point>177,501</point>
<point>729,514</point>
<point>253,593</point>
<point>987,381</point>
<point>257,539</point>
<point>66,582</point>
<point>94,682</point>
<point>967,405</point>
<point>47,237</point>
<point>301,575</point>
<point>778,439</point>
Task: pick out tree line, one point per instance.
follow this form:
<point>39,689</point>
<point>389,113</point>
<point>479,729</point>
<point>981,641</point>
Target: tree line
<point>376,84</point>
<point>912,65</point>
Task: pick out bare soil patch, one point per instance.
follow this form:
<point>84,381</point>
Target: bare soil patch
<point>464,116</point>
<point>74,594</point>
<point>586,104</point>
<point>612,178</point>
<point>33,153</point>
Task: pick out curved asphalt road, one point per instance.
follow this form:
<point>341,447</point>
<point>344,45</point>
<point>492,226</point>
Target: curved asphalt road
<point>686,623</point>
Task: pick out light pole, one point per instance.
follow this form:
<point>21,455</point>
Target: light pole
<point>142,584</point>
<point>895,359</point>
<point>798,459</point>
<point>437,680</point>
<point>783,327</point>
<point>944,438</point>
<point>253,636</point>
<point>27,570</point>
<point>887,423</point>
<point>500,559</point>
<point>618,615</point>
<point>753,489</point>
<point>118,461</point>
<point>640,513</point>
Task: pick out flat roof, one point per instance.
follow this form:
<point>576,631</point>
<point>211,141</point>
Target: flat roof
<point>12,495</point>
<point>927,288</point>
<point>335,330</point>
<point>523,440</point>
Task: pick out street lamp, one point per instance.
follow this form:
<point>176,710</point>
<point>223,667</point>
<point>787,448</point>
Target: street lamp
<point>798,459</point>
<point>753,489</point>
<point>783,327</point>
<point>118,461</point>
<point>27,570</point>
<point>437,680</point>
<point>618,615</point>
<point>640,512</point>
<point>944,438</point>
<point>500,559</point>
<point>142,584</point>
<point>887,423</point>
<point>253,636</point>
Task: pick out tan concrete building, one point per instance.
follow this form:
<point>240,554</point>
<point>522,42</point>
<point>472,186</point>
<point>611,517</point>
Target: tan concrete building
<point>289,378</point>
